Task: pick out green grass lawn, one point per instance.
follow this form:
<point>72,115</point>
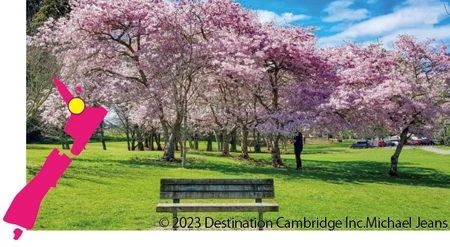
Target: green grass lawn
<point>119,190</point>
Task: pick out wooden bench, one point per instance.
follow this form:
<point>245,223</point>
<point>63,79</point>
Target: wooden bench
<point>257,189</point>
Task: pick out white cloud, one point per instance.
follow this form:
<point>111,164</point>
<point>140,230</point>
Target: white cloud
<point>438,33</point>
<point>283,19</point>
<point>340,11</point>
<point>415,15</point>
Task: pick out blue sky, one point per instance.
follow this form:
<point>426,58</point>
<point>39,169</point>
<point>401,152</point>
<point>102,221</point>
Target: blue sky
<point>360,20</point>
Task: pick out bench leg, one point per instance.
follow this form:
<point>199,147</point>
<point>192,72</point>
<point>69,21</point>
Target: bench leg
<point>261,218</point>
<point>174,216</point>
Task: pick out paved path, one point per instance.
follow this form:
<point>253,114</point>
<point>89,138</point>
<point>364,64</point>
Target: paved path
<point>436,150</point>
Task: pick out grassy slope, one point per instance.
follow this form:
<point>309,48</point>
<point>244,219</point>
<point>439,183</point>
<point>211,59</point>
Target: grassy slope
<point>119,190</point>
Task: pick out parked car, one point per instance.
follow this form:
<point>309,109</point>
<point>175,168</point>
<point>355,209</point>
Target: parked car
<point>390,143</point>
<point>425,141</point>
<point>412,142</point>
<point>360,144</point>
<point>381,143</point>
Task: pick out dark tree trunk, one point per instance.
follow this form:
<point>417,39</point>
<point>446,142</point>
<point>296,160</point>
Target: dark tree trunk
<point>102,135</point>
<point>196,141</point>
<point>128,139</point>
<point>256,138</point>
<point>226,136</point>
<point>284,144</point>
<point>191,144</point>
<point>158,141</point>
<point>398,150</point>
<point>234,142</point>
<point>146,142</point>
<point>140,146</point>
<point>225,143</point>
<point>209,143</point>
<point>133,140</point>
<point>216,134</point>
<point>244,142</point>
<point>275,152</point>
<point>151,141</point>
<point>61,139</point>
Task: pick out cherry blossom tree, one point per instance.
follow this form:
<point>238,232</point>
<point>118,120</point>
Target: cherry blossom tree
<point>163,52</point>
<point>290,61</point>
<point>403,90</point>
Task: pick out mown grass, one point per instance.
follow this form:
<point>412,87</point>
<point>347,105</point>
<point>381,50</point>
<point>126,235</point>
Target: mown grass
<point>119,190</point>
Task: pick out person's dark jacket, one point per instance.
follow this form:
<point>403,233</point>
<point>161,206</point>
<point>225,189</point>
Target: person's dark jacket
<point>298,145</point>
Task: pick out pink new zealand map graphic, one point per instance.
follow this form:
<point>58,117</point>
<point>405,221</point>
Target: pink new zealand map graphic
<point>82,123</point>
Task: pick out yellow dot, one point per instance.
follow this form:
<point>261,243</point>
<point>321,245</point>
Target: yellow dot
<point>76,105</point>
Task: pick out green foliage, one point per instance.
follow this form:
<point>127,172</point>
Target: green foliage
<point>33,7</point>
<point>442,137</point>
<point>50,8</point>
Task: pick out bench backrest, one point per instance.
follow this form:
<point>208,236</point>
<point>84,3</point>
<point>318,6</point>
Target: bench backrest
<point>217,188</point>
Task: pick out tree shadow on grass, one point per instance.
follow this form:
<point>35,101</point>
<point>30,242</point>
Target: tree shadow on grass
<point>337,172</point>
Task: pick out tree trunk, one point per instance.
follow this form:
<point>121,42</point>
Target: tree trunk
<point>181,148</point>
<point>158,141</point>
<point>191,144</point>
<point>209,144</point>
<point>169,147</point>
<point>63,144</point>
<point>133,138</point>
<point>275,152</point>
<point>256,138</point>
<point>234,142</point>
<point>268,143</point>
<point>284,144</point>
<point>398,150</point>
<point>216,134</point>
<point>244,142</point>
<point>102,135</point>
<point>140,145</point>
<point>225,143</point>
<point>195,141</point>
<point>166,133</point>
<point>128,139</point>
<point>146,142</point>
<point>150,141</point>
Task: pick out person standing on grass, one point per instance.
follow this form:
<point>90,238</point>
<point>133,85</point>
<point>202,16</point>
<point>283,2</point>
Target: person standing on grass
<point>298,148</point>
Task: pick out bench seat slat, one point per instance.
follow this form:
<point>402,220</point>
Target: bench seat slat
<point>228,181</point>
<point>215,187</point>
<point>217,195</point>
<point>217,207</point>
